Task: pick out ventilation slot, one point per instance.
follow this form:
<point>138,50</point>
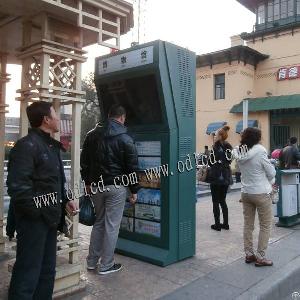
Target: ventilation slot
<point>185,232</point>
<point>184,63</point>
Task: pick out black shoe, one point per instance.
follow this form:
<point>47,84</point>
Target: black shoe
<point>225,226</point>
<point>216,227</point>
<point>114,268</point>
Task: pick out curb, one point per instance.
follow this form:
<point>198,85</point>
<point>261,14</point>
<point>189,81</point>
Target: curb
<point>277,286</point>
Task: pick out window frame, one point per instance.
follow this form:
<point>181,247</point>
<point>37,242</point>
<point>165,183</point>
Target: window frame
<point>283,9</point>
<point>276,5</point>
<point>261,14</point>
<point>220,95</point>
<point>290,8</point>
<point>270,8</point>
<point>279,9</point>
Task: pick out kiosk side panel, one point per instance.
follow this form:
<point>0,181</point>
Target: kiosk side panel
<point>182,70</point>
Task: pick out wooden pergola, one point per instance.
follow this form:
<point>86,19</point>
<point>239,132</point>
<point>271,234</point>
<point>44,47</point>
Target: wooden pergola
<point>47,38</point>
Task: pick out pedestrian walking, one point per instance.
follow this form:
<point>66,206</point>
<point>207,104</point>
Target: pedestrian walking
<point>110,153</point>
<point>35,172</point>
<point>258,175</point>
<point>220,177</point>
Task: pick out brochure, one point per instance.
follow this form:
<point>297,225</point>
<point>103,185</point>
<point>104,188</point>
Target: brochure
<point>147,227</point>
<point>149,212</point>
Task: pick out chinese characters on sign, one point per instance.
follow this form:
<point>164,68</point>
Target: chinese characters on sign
<point>289,73</point>
<point>131,59</point>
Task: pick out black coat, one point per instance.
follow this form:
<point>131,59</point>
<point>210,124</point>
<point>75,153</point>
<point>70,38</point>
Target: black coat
<point>289,157</point>
<point>219,162</point>
<point>35,169</point>
<point>108,151</point>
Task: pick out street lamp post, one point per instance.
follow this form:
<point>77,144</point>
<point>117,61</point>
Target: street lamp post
<point>245,114</point>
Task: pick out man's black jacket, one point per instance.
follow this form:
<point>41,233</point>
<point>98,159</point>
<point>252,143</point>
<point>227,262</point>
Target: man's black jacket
<point>35,169</point>
<point>108,151</point>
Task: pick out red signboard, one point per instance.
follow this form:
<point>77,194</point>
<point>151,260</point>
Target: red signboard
<point>288,73</point>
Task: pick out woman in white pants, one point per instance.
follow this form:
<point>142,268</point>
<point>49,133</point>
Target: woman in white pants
<point>257,177</point>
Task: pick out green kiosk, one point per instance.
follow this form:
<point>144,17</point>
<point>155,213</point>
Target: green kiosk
<point>155,82</point>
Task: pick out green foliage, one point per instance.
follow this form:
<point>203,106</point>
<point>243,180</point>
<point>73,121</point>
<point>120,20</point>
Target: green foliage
<point>90,114</point>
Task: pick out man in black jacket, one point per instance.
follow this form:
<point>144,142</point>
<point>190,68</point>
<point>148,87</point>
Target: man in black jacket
<point>36,186</point>
<point>290,155</point>
<point>108,157</point>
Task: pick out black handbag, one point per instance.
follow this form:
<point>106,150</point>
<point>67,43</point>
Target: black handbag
<point>87,213</point>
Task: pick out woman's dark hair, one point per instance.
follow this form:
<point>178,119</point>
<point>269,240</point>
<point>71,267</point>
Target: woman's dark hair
<point>250,137</point>
<point>37,111</point>
<point>116,111</point>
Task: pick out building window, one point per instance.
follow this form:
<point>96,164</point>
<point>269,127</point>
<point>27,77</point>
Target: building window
<point>290,8</point>
<point>276,10</point>
<point>261,14</point>
<point>219,86</point>
<point>283,9</point>
<point>270,11</point>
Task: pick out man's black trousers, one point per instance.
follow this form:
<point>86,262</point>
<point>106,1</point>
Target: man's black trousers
<point>33,273</point>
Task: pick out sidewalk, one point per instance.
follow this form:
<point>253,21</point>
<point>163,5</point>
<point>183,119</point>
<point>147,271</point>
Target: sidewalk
<point>217,271</point>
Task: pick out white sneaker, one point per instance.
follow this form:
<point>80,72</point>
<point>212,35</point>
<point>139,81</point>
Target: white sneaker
<point>91,268</point>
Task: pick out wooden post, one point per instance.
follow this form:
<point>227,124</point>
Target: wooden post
<point>118,33</point>
<point>3,80</point>
<point>23,127</point>
<point>56,106</point>
<point>23,119</point>
<point>27,32</point>
<point>75,155</point>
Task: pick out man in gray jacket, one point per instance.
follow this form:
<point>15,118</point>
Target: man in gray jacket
<point>108,153</point>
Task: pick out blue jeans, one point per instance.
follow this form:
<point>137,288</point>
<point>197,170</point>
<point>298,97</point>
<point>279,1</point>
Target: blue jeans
<point>33,273</point>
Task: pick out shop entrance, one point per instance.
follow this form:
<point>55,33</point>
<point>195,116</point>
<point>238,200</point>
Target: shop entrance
<point>284,124</point>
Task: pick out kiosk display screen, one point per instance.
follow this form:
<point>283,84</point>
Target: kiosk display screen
<point>145,216</point>
<point>139,96</point>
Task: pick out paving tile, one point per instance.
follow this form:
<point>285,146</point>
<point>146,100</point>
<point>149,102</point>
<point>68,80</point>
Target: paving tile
<point>239,274</point>
<point>204,289</point>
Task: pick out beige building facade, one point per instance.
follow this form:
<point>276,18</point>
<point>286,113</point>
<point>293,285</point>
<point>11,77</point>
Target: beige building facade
<point>263,67</point>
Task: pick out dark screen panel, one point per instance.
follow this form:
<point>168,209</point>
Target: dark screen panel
<point>139,96</point>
